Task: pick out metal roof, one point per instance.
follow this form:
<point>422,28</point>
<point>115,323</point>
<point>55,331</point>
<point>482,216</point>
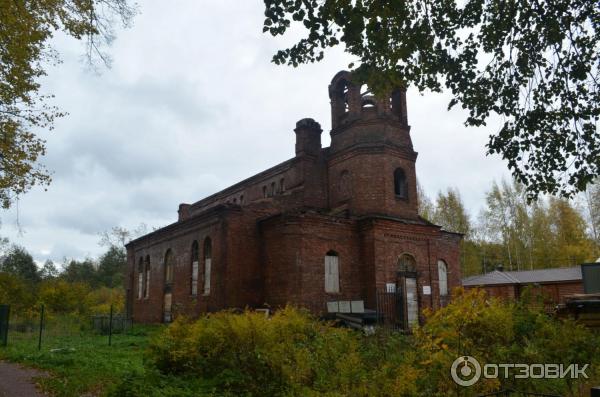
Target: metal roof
<point>525,277</point>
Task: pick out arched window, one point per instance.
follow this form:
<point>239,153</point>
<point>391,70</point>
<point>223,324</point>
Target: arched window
<point>281,185</point>
<point>443,277</point>
<point>147,283</point>
<point>345,98</point>
<point>207,264</point>
<point>396,102</point>
<point>332,272</point>
<point>400,185</point>
<point>194,276</point>
<point>264,191</point>
<point>407,263</point>
<point>140,270</point>
<point>169,267</point>
<point>367,99</point>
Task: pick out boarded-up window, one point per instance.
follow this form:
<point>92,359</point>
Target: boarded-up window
<point>147,284</point>
<point>169,267</point>
<point>207,264</point>
<point>443,277</point>
<point>194,278</point>
<point>332,272</point>
<point>168,303</point>
<point>140,270</point>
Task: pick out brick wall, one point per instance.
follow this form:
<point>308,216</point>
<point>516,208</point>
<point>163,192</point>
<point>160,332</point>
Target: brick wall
<point>552,293</point>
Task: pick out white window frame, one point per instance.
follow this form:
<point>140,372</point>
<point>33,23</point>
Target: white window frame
<point>147,283</point>
<point>207,266</point>
<point>443,277</point>
<point>140,284</point>
<point>332,274</point>
<point>195,278</point>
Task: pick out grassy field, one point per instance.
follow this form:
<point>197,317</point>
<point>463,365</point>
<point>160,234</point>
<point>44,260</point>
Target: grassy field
<point>82,363</point>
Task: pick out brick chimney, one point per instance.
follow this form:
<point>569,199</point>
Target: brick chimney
<point>308,137</point>
<point>184,211</point>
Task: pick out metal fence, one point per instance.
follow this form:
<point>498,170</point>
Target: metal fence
<point>36,326</point>
<point>390,310</point>
<point>4,316</point>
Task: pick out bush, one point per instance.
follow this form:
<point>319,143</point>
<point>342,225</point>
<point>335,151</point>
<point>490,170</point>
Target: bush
<point>497,332</point>
<point>16,292</point>
<point>99,301</point>
<point>293,354</point>
<point>152,383</point>
<point>290,353</point>
<point>60,296</point>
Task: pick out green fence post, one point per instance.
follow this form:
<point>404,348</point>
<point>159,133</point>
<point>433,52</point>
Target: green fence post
<point>110,326</point>
<point>4,320</point>
<point>41,327</point>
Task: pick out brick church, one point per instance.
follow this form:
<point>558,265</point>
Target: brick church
<point>327,227</point>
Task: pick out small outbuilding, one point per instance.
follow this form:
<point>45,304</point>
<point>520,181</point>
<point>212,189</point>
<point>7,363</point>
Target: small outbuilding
<point>553,284</point>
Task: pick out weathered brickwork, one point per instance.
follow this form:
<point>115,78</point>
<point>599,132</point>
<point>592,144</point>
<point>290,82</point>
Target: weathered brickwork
<point>266,238</point>
<point>551,293</point>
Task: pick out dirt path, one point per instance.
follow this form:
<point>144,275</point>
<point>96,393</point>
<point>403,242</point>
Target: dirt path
<point>16,381</point>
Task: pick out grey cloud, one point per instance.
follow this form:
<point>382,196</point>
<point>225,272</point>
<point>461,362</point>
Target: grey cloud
<point>188,109</point>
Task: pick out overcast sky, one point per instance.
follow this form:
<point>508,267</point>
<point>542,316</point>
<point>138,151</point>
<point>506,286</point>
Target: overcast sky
<point>191,105</point>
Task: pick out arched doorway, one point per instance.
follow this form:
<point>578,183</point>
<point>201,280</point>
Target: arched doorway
<point>406,283</point>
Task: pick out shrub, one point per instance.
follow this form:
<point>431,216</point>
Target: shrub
<point>293,354</point>
<point>60,296</point>
<point>497,332</point>
<point>16,292</point>
<point>98,301</point>
<point>290,353</point>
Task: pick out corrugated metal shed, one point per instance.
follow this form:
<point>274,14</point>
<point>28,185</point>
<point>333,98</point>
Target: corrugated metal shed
<point>525,277</point>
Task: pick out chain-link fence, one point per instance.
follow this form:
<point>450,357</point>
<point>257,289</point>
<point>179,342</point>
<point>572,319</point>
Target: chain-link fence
<point>40,326</point>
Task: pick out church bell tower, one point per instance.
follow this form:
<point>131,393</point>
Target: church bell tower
<point>371,161</point>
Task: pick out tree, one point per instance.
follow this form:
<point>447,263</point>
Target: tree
<point>60,296</point>
<point>535,64</point>
<point>49,270</point>
<point>14,291</point>
<point>80,272</point>
<point>118,236</point>
<point>426,207</point>
<point>569,232</point>
<point>111,267</point>
<point>25,32</point>
<point>19,262</point>
<point>450,212</point>
<point>506,220</point>
<point>542,233</point>
<point>592,203</point>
